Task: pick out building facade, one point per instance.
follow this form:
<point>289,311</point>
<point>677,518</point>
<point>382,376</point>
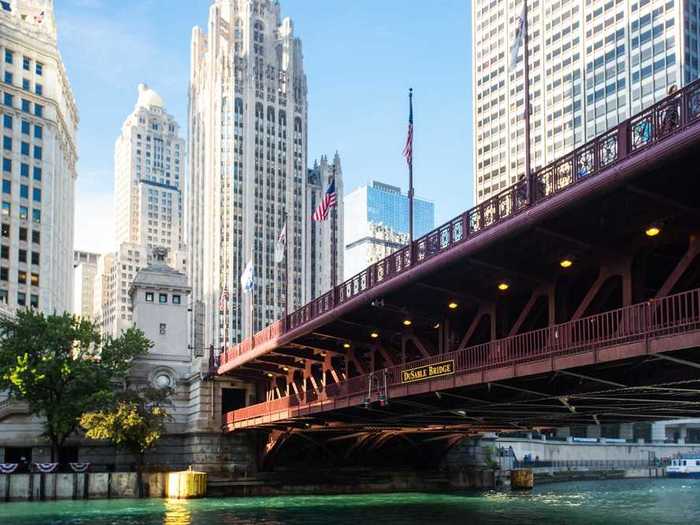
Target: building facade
<point>376,224</point>
<point>324,240</point>
<point>247,169</point>
<point>84,274</point>
<point>149,164</point>
<point>39,125</point>
<point>592,65</point>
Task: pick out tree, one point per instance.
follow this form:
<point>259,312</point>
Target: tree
<point>63,367</point>
<point>135,422</point>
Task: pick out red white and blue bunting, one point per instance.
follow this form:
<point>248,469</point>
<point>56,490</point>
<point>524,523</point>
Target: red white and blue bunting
<point>8,468</point>
<point>45,468</point>
<point>79,467</point>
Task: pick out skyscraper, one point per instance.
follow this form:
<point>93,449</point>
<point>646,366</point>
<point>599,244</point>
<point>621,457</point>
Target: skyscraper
<point>592,65</point>
<point>149,180</point>
<point>376,224</point>
<point>84,273</point>
<point>39,125</point>
<point>248,169</point>
<point>323,267</point>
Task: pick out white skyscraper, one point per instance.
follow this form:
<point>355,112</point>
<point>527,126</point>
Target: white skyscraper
<point>248,168</point>
<point>39,124</point>
<point>84,273</point>
<point>149,161</point>
<point>593,63</point>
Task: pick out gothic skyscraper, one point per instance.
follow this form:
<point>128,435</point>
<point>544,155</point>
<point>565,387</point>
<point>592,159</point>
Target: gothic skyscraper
<point>247,169</point>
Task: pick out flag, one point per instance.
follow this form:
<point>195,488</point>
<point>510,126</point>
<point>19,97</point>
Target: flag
<point>223,299</point>
<point>248,278</point>
<point>39,18</point>
<point>281,244</point>
<point>329,201</point>
<point>408,149</point>
<point>519,36</point>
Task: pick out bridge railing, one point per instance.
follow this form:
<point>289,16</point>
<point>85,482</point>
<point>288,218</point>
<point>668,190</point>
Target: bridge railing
<point>658,317</point>
<point>631,136</point>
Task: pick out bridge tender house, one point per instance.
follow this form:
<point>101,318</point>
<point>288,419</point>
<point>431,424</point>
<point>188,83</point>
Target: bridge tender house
<point>421,373</point>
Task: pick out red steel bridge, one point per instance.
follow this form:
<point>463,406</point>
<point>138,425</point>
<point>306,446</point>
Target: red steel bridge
<point>577,303</point>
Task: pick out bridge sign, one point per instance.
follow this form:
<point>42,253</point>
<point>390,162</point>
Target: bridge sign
<point>421,373</point>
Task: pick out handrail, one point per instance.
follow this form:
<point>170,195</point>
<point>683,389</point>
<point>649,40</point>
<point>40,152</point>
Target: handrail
<point>665,316</point>
<point>662,119</point>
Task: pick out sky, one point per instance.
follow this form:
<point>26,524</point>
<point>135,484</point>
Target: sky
<point>360,57</point>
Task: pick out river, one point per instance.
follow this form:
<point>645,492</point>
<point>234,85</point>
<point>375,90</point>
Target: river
<point>629,502</point>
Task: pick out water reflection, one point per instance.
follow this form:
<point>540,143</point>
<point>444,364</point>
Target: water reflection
<point>177,512</point>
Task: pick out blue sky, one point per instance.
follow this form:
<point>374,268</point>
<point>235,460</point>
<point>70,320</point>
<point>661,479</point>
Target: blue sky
<point>361,56</point>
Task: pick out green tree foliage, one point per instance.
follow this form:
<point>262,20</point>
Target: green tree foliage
<point>62,367</point>
<point>134,422</point>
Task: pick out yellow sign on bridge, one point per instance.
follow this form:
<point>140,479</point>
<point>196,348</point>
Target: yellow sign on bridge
<point>421,373</point>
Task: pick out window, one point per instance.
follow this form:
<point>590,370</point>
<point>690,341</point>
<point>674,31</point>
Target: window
<point>39,89</point>
<point>176,299</point>
<point>6,165</point>
<point>35,279</point>
<point>26,106</point>
<point>36,216</point>
<point>36,194</point>
<point>4,274</point>
<point>26,63</point>
<point>149,297</point>
<point>24,170</point>
<point>6,186</point>
<point>163,328</point>
<point>34,301</point>
<point>39,68</point>
<point>38,132</point>
<point>22,256</point>
<point>6,208</point>
<point>8,56</point>
<point>7,143</point>
<point>8,99</point>
<point>24,191</point>
<point>24,148</point>
<point>4,252</point>
<point>21,277</point>
<point>163,298</point>
<point>38,110</point>
<point>35,258</point>
<point>5,230</point>
<point>36,173</point>
<point>7,121</point>
<point>3,298</point>
<point>25,127</point>
<point>23,212</point>
<point>25,84</point>
<point>8,77</point>
<point>21,298</point>
<point>38,152</point>
<point>36,237</point>
<point>23,234</point>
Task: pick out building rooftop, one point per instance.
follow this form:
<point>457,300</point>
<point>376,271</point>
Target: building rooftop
<point>148,98</point>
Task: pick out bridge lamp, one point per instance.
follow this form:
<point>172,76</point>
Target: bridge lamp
<point>284,368</point>
<point>652,230</point>
<point>346,345</point>
<point>407,322</point>
<point>566,263</point>
<point>374,335</point>
<point>436,326</point>
<point>503,286</point>
<point>269,374</point>
<point>453,305</point>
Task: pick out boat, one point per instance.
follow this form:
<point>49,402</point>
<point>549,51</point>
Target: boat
<point>684,466</point>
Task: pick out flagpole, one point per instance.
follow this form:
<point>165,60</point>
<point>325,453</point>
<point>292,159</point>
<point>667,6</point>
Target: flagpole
<point>334,254</point>
<point>526,77</point>
<point>410,180</point>
<point>286,264</point>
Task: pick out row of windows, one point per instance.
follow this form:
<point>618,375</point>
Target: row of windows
<point>22,255</point>
<point>23,190</point>
<point>23,277</point>
<point>163,298</point>
<point>26,85</point>
<point>23,234</point>
<point>26,62</point>
<point>25,126</point>
<point>21,298</point>
<point>8,99</point>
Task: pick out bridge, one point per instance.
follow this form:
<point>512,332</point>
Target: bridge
<point>572,300</point>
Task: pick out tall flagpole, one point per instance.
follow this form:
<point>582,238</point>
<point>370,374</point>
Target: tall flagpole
<point>333,222</point>
<point>286,264</point>
<point>526,77</point>
<point>410,173</point>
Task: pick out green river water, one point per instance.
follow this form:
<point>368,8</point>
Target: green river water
<point>632,502</point>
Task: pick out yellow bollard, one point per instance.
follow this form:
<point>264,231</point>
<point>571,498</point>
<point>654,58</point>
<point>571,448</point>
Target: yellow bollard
<point>522,479</point>
<point>186,485</point>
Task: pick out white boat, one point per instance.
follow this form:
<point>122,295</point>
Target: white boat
<point>685,466</point>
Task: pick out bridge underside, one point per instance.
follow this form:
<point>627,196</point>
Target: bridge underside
<point>592,343</point>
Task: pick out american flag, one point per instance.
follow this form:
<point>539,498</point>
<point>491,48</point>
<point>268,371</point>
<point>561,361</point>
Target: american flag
<point>329,201</point>
<point>408,149</point>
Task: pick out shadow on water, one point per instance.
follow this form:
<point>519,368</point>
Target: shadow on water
<point>638,502</point>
